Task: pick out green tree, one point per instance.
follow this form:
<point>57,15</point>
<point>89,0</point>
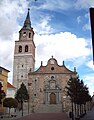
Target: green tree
<point>85,97</point>
<point>10,103</point>
<point>2,93</point>
<point>78,93</point>
<point>22,95</point>
<point>72,88</point>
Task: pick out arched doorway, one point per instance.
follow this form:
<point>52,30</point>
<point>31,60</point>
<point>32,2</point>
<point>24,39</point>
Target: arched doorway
<point>52,98</point>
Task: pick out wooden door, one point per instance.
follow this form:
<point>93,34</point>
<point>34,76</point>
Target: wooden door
<point>52,98</point>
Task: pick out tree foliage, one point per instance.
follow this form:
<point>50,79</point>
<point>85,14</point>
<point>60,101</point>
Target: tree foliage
<point>10,103</point>
<point>22,93</point>
<point>78,93</point>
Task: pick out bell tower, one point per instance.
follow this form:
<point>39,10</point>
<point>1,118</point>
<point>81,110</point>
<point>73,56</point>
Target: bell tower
<point>24,54</point>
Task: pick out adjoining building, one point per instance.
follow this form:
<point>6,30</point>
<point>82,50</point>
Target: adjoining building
<point>46,86</point>
<point>10,90</point>
<point>4,78</point>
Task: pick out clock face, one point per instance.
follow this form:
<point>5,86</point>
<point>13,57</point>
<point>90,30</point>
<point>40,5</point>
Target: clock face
<point>24,34</point>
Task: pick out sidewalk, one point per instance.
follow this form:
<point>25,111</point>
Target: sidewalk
<point>46,116</point>
<point>16,116</point>
<point>89,115</point>
<point>38,116</point>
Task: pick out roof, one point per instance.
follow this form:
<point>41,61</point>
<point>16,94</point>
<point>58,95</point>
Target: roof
<point>27,22</point>
<point>4,69</point>
<point>10,85</point>
<point>52,67</point>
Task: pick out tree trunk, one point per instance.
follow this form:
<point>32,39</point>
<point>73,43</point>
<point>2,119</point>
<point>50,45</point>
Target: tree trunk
<point>80,109</point>
<point>28,106</point>
<point>85,108</point>
<point>72,112</point>
<point>22,106</point>
<point>9,111</point>
<point>75,109</point>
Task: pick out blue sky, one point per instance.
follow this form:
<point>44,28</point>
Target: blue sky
<point>62,29</point>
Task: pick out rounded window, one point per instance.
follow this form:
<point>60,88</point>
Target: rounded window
<point>26,48</point>
<point>20,48</point>
<point>52,77</point>
<point>52,68</point>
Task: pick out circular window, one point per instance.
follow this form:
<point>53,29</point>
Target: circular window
<point>52,68</point>
<point>52,77</point>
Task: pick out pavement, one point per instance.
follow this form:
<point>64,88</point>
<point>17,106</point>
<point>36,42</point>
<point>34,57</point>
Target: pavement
<point>13,116</point>
<point>45,116</point>
<point>38,116</point>
<point>89,115</point>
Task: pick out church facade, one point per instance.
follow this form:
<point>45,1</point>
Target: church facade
<point>46,85</point>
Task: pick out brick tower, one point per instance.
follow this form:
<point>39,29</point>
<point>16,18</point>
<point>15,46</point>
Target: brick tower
<point>24,54</point>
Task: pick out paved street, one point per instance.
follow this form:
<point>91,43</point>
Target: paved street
<point>37,116</point>
<point>45,116</point>
<point>48,116</point>
<point>89,115</point>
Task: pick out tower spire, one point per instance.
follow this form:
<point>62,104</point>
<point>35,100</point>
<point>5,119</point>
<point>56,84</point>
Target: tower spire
<point>27,22</point>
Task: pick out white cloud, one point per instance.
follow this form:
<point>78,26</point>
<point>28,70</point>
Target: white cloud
<point>84,4</point>
<point>54,5</point>
<point>79,19</point>
<point>89,80</point>
<point>43,26</point>
<point>87,15</point>
<point>9,13</point>
<point>86,27</point>
<point>63,46</point>
<point>57,5</point>
<point>90,64</point>
<point>6,53</point>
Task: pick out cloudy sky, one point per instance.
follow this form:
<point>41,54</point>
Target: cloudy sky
<point>62,29</point>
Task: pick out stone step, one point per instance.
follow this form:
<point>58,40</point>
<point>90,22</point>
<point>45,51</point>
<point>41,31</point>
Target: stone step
<point>49,108</point>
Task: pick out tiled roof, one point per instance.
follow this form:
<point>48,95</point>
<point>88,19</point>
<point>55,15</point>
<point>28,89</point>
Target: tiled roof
<point>4,68</point>
<point>10,86</point>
